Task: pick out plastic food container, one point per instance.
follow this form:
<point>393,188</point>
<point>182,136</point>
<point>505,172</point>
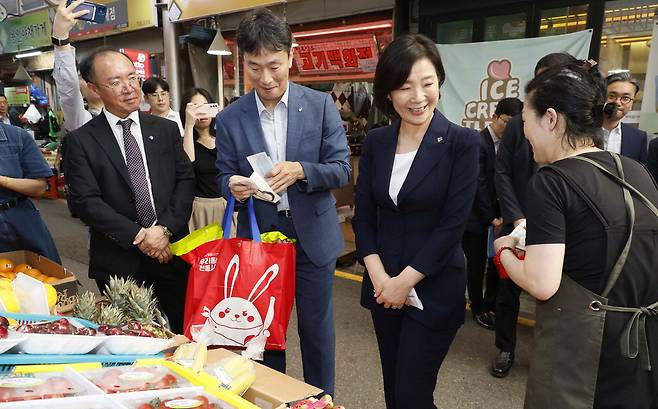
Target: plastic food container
<point>58,344</point>
<point>134,379</point>
<point>131,345</point>
<point>8,343</point>
<point>24,387</point>
<point>81,402</point>
<point>174,399</point>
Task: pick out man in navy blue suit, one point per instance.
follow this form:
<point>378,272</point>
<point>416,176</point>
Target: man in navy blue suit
<point>301,130</point>
<point>617,136</point>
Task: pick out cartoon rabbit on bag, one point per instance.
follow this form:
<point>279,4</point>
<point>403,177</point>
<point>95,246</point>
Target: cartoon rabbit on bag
<point>235,320</point>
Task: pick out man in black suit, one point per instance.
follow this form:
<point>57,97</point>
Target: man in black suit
<point>130,181</point>
<point>486,216</point>
<point>617,136</point>
<point>5,116</point>
<point>652,159</point>
<point>515,165</point>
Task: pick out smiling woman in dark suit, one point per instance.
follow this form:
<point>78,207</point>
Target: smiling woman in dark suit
<point>417,181</point>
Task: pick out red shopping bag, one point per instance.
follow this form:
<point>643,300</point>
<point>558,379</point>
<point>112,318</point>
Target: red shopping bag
<point>240,291</point>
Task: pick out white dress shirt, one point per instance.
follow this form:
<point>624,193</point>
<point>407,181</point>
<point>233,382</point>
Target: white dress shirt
<point>612,139</point>
<point>136,130</point>
<point>174,116</point>
<point>494,138</point>
<point>401,165</point>
<point>66,78</point>
<point>275,130</point>
<point>5,120</point>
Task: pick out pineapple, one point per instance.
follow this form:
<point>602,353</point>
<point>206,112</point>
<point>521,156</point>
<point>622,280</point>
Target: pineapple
<point>85,306</point>
<point>110,315</point>
<point>117,290</point>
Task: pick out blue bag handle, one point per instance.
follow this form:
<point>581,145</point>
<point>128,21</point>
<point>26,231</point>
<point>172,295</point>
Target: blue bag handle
<point>228,219</point>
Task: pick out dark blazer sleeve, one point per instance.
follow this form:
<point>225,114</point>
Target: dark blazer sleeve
<point>85,196</point>
<point>332,170</point>
<point>438,251</point>
<point>176,215</point>
<point>510,208</point>
<point>227,156</point>
<point>644,152</point>
<point>364,221</point>
<point>487,211</point>
<point>652,159</point>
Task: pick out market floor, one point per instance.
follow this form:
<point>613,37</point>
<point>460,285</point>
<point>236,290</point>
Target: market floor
<point>464,380</point>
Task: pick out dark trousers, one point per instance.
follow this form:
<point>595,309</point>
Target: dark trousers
<point>479,269</point>
<point>411,355</point>
<point>169,282</point>
<point>507,312</point>
<point>315,318</point>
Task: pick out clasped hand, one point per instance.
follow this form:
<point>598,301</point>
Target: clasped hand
<point>154,243</point>
<point>392,292</point>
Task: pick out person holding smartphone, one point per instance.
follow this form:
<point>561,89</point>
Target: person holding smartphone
<point>199,144</point>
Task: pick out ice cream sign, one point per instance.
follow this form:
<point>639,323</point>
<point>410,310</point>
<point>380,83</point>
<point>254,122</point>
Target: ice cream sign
<point>498,84</point>
<point>141,60</point>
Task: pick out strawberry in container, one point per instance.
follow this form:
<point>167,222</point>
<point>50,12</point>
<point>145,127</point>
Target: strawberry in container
<point>23,387</point>
<point>135,379</point>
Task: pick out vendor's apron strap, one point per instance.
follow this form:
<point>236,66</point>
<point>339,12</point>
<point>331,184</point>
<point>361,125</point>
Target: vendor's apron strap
<point>634,337</point>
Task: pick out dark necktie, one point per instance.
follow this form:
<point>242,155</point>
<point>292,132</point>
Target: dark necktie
<point>137,171</point>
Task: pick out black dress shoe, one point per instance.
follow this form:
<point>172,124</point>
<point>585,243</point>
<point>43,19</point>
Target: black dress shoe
<point>485,320</point>
<point>502,364</point>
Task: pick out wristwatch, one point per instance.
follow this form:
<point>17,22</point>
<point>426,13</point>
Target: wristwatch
<point>59,41</point>
<point>166,231</point>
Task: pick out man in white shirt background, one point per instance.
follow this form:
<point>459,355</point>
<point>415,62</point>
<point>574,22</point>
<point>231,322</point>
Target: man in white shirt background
<point>619,137</point>
<point>156,94</point>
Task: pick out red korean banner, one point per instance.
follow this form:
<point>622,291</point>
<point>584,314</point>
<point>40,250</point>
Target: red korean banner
<point>356,54</point>
<point>141,61</point>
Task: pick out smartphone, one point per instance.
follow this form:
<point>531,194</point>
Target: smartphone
<point>97,12</point>
<point>209,110</point>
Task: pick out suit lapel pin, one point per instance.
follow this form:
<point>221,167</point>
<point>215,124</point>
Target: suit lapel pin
<point>151,137</point>
<point>299,109</point>
<point>439,139</point>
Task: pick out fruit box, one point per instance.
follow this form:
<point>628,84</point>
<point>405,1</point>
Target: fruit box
<point>271,388</point>
<point>193,397</point>
<point>66,285</point>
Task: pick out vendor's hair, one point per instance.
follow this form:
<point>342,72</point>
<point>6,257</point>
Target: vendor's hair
<point>186,98</point>
<point>395,65</point>
<point>577,92</point>
<point>509,106</point>
<point>262,30</point>
<point>624,76</point>
<point>150,85</point>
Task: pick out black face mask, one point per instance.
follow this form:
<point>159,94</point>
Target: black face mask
<point>610,109</point>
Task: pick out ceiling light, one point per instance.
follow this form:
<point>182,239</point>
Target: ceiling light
<point>346,29</point>
<point>218,46</point>
<point>29,54</point>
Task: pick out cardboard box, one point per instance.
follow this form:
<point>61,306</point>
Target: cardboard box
<point>271,388</point>
<point>66,285</point>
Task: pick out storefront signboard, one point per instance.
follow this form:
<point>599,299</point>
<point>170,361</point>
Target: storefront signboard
<point>141,60</point>
<point>478,75</point>
<point>354,54</point>
<point>17,96</point>
<point>180,10</point>
<point>122,15</point>
<point>25,33</point>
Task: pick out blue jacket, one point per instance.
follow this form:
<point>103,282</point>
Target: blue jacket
<point>317,140</point>
<point>425,229</point>
<point>634,143</point>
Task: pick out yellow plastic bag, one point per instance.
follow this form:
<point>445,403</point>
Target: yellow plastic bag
<point>196,239</point>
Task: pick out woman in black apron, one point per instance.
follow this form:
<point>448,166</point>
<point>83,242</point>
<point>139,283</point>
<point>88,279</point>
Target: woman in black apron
<point>591,254</point>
